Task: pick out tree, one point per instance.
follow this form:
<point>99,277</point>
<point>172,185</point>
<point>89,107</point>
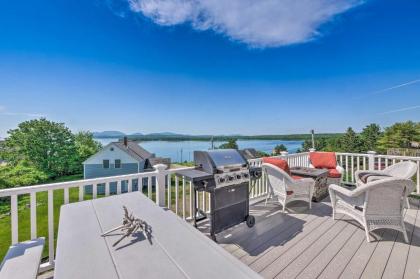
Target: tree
<point>231,144</point>
<point>369,137</point>
<point>279,148</point>
<point>399,135</point>
<point>261,154</point>
<point>86,146</point>
<point>20,175</point>
<point>48,146</point>
<point>320,144</point>
<point>350,142</point>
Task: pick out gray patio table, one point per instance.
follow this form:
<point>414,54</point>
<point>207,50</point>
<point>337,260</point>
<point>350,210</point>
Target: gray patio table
<point>176,249</point>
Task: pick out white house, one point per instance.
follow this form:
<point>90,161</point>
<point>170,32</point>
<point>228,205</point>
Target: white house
<point>118,158</point>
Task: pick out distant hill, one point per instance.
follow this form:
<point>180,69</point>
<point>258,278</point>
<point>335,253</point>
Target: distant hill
<point>164,134</point>
<point>108,134</point>
<point>169,136</point>
<point>177,137</point>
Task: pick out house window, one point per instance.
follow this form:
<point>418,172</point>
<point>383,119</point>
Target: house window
<point>117,163</point>
<point>105,164</point>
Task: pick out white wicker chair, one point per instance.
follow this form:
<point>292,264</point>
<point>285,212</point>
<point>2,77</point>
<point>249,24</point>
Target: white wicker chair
<point>404,170</point>
<point>378,204</point>
<point>286,188</point>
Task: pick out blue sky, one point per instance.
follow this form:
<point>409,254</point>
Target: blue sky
<point>215,67</point>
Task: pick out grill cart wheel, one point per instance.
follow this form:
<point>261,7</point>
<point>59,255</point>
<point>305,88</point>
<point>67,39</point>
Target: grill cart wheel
<point>250,221</point>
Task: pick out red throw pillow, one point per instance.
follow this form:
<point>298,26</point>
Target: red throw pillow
<point>280,163</point>
<point>323,160</point>
<point>333,173</point>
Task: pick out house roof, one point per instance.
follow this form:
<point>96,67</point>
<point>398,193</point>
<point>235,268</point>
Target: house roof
<point>134,150</point>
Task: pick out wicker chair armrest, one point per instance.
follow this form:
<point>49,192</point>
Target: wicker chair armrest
<point>340,169</point>
<point>358,172</point>
<point>342,190</point>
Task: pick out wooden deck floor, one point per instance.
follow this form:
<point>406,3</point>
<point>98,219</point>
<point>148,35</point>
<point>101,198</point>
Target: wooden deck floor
<point>310,244</point>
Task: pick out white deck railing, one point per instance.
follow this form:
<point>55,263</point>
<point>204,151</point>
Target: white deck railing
<point>170,191</point>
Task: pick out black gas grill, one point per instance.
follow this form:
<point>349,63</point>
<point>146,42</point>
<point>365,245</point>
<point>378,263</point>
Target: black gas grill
<point>226,175</point>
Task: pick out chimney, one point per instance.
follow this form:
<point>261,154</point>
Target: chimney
<point>125,141</point>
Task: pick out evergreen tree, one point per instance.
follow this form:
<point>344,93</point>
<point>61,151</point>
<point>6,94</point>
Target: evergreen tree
<point>231,144</point>
<point>350,142</point>
<point>279,148</point>
<point>399,135</point>
<point>369,137</point>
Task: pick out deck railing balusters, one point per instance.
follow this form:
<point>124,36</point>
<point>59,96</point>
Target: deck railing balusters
<point>176,194</point>
<point>184,198</point>
<point>14,217</point>
<point>51,227</point>
<point>66,195</point>
<point>81,192</point>
<point>107,191</point>
<point>94,190</point>
<point>169,182</point>
<point>149,187</point>
<point>192,197</point>
<point>33,215</point>
<point>129,185</point>
<point>352,162</point>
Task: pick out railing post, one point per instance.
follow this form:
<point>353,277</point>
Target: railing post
<point>284,153</point>
<point>312,149</point>
<point>160,184</point>
<point>371,160</point>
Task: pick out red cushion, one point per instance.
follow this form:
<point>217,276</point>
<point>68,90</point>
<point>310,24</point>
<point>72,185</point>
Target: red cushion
<point>323,160</point>
<point>280,163</point>
<point>295,177</point>
<point>333,173</point>
<point>289,193</point>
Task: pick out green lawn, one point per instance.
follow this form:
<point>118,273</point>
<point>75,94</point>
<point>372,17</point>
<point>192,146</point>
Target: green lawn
<point>42,212</point>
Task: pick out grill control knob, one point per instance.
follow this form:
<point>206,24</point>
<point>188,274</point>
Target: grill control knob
<point>231,178</point>
<point>245,175</point>
<point>221,180</point>
<point>238,176</point>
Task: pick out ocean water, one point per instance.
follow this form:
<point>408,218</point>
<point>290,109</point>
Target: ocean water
<point>180,151</point>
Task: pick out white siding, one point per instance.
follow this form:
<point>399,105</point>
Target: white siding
<point>107,154</point>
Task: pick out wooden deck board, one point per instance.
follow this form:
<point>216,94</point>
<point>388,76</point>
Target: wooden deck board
<point>334,268</point>
<point>312,252</point>
<point>295,245</point>
<point>321,259</point>
<point>397,260</point>
<point>309,244</point>
<point>412,267</point>
<point>379,258</point>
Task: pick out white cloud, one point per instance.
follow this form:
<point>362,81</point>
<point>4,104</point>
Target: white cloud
<point>396,86</point>
<point>259,23</point>
<point>3,111</point>
<point>400,110</point>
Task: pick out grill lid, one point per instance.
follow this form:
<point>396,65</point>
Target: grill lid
<point>226,158</point>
